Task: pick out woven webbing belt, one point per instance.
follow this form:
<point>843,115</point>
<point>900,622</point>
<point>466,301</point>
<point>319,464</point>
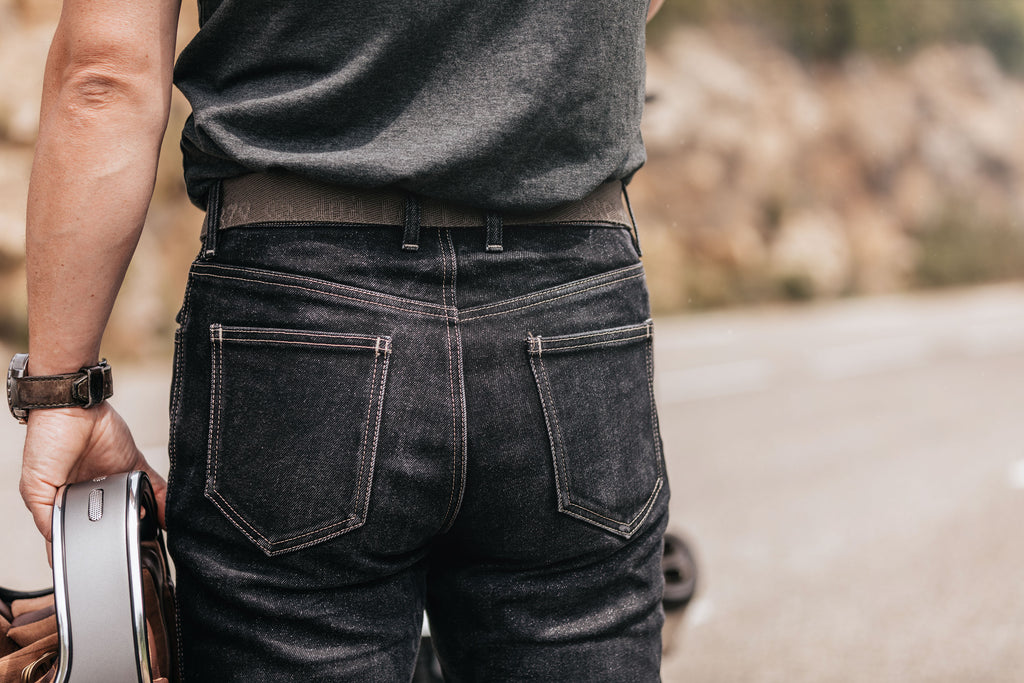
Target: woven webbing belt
<point>271,199</point>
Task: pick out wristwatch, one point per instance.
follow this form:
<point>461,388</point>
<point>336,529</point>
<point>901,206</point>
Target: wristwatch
<point>83,389</point>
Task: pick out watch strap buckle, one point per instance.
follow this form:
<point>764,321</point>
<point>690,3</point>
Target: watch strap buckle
<point>94,386</point>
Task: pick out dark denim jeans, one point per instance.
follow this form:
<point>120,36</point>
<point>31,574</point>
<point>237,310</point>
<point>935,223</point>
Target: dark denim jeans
<point>360,432</point>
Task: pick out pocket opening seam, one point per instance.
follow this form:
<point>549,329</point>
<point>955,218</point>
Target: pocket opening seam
<point>646,325</point>
<point>582,346</point>
<point>538,344</point>
<point>305,343</point>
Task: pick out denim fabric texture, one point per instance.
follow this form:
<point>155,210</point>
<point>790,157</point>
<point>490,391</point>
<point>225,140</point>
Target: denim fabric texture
<point>360,432</point>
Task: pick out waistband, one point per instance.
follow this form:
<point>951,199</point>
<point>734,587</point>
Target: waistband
<point>270,199</point>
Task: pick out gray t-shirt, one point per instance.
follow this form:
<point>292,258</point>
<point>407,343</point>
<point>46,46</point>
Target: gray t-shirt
<point>504,105</point>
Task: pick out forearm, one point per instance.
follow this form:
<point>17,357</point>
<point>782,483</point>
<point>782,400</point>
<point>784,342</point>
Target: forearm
<point>92,179</point>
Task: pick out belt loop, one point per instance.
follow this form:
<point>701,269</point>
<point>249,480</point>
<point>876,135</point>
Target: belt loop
<point>211,224</point>
<point>411,236</point>
<point>493,221</point>
<point>635,234</point>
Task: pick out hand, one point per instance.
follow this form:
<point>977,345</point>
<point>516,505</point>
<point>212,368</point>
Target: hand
<point>67,445</point>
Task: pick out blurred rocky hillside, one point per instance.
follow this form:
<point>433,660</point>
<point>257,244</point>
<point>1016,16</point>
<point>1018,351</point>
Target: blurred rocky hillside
<point>769,177</point>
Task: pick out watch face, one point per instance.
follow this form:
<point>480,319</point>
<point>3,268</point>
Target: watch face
<point>17,369</point>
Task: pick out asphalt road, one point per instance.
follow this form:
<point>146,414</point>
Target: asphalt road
<point>852,478</point>
<point>850,475</point>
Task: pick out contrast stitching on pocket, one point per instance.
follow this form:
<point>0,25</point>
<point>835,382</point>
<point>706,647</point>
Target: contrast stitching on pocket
<point>318,281</point>
<point>609,333</point>
<point>562,453</point>
<point>320,291</point>
<point>554,298</point>
<point>217,335</point>
<point>274,547</point>
<point>215,392</point>
<point>646,326</point>
<point>600,343</point>
<point>621,528</point>
<point>559,455</point>
<point>362,464</point>
<point>376,429</point>
<point>269,332</point>
<point>643,511</point>
<point>655,427</point>
<point>366,431</point>
<point>238,518</point>
<point>373,460</point>
<point>303,343</point>
<point>555,434</point>
<point>553,290</point>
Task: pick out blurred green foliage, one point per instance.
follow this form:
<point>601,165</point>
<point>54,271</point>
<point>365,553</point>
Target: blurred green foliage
<point>829,30</point>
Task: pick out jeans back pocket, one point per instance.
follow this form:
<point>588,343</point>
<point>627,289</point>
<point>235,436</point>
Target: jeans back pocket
<point>596,390</point>
<point>294,419</point>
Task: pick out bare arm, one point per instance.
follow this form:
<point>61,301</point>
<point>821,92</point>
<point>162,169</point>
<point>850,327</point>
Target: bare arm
<point>106,97</point>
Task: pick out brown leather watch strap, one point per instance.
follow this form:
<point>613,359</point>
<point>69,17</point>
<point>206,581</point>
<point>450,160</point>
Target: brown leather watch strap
<point>84,388</point>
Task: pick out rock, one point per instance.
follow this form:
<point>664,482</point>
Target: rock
<point>915,194</point>
<point>813,245</point>
<point>876,112</point>
<point>884,254</point>
<point>666,263</point>
<point>743,139</point>
<point>15,164</point>
<point>22,56</point>
<point>36,11</point>
<point>970,111</point>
